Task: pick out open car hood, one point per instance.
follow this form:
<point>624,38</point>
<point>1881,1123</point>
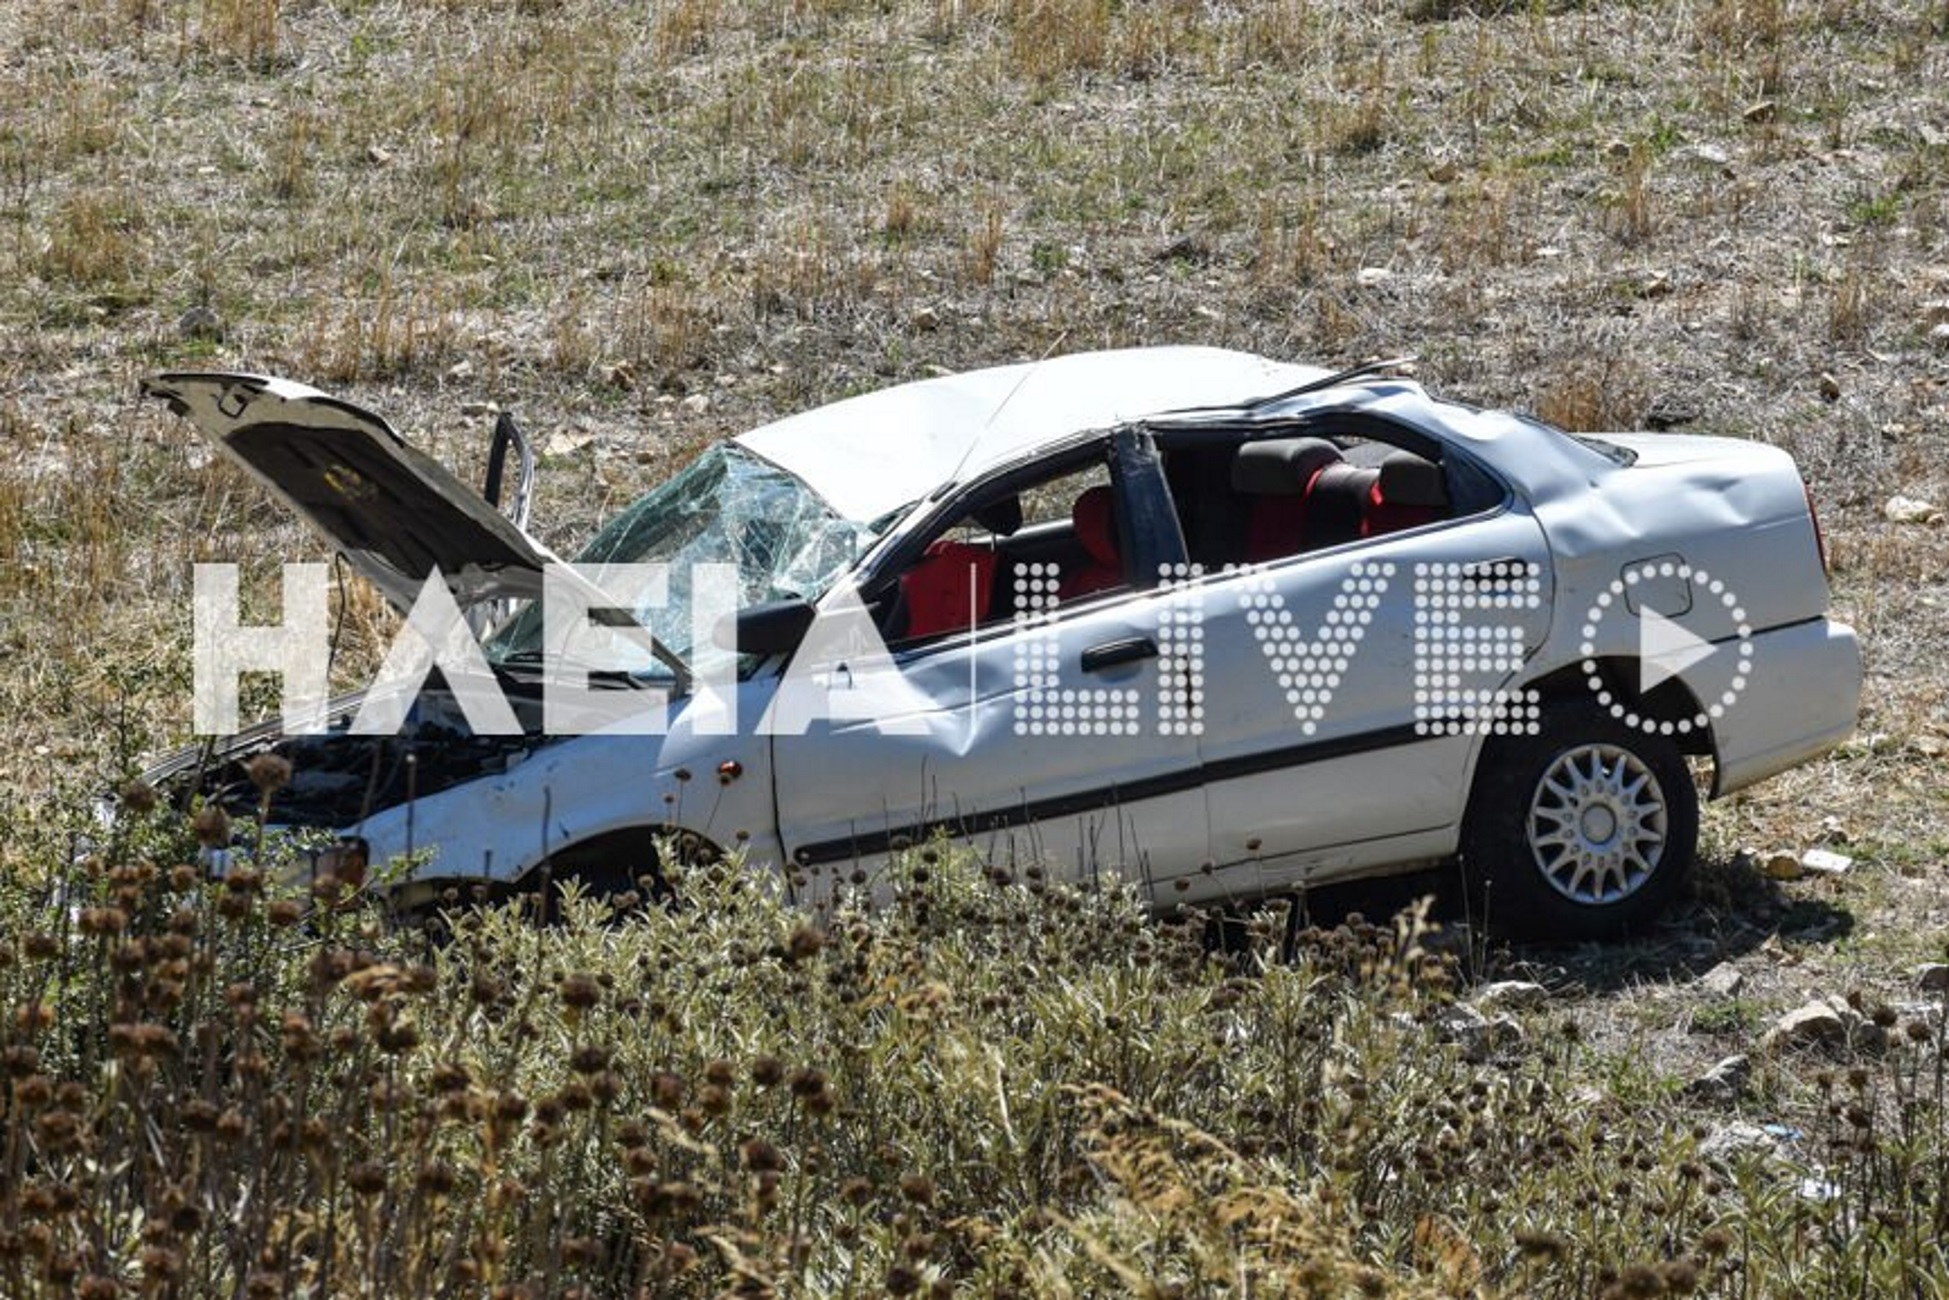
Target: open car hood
<point>392,511</point>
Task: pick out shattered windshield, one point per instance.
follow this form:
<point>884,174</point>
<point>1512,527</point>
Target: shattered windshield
<point>728,507</point>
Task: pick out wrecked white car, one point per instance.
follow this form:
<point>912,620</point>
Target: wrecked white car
<point>1218,624</point>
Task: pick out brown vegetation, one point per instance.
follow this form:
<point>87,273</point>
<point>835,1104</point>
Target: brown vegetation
<point>1724,215</point>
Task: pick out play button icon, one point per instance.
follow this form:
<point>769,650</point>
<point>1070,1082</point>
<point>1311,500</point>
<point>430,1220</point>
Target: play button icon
<point>1665,649</point>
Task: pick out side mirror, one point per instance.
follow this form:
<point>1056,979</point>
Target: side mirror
<point>775,627</point>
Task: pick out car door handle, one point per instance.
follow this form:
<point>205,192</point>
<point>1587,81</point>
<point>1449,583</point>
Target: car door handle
<point>1497,572</point>
<point>1112,653</point>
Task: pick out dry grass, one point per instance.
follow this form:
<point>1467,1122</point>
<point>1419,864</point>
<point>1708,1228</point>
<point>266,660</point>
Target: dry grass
<point>588,212</point>
<point>989,1087</point>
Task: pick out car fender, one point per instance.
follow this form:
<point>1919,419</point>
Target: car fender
<point>500,827</point>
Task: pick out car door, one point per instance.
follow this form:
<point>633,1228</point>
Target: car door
<point>1050,731</point>
<point>1346,687</point>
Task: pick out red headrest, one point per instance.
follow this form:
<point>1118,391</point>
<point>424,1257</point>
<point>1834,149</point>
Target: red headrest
<point>1094,515</point>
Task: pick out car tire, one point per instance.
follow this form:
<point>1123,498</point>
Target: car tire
<point>1583,830</point>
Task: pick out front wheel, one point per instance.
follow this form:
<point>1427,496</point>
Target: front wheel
<point>1582,831</point>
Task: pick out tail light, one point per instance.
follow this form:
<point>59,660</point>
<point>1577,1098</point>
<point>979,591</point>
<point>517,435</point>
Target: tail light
<point>1820,541</point>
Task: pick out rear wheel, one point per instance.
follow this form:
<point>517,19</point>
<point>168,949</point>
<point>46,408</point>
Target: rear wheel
<point>1582,831</point>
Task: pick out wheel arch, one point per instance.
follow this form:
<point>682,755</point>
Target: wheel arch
<point>615,859</point>
<point>610,862</point>
<point>1670,701</point>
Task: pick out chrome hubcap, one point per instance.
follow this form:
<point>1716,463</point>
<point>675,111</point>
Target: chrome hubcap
<point>1597,824</point>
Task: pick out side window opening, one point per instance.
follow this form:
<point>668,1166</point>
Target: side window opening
<point>1272,498</point>
<point>973,572</point>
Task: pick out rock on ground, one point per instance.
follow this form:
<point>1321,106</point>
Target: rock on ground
<point>1477,1035</point>
<point>1737,1141</point>
<point>1910,510</point>
<point>1723,980</point>
<point>1724,1082</point>
<point>1828,1022</point>
<point>1511,995</point>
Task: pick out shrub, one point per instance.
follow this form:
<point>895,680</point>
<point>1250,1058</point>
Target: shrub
<point>986,1084</point>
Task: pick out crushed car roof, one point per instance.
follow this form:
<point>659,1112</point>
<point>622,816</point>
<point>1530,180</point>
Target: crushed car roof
<point>871,454</point>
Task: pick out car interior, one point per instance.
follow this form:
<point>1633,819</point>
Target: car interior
<point>1237,503</point>
<point>1267,500</point>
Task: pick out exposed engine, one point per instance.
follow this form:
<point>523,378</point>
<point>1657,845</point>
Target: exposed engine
<point>338,777</point>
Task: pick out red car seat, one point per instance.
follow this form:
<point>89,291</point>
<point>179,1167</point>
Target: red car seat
<point>949,589</point>
<point>1277,475</point>
<point>1410,492</point>
<point>1336,504</point>
<point>1095,518</point>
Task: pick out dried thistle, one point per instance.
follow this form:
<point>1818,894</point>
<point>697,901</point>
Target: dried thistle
<point>269,773</point>
<point>211,826</point>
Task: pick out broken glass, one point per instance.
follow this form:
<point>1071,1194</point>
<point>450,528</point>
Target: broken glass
<point>728,507</point>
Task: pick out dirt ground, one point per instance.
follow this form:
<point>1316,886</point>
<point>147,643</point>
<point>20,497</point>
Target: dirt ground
<point>646,229</point>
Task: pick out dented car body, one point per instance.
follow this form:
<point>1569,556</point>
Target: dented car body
<point>1222,625</point>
